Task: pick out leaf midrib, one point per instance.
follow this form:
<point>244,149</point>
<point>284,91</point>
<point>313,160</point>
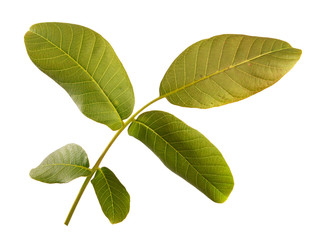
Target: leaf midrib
<point>89,75</point>
<point>110,192</point>
<point>221,71</point>
<point>65,164</point>
<point>181,156</point>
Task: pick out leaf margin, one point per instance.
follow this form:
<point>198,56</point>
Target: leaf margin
<point>170,94</point>
<point>101,174</point>
<point>38,171</point>
<point>218,199</point>
<point>106,45</point>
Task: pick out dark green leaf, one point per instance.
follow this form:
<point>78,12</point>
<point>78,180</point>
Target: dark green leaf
<point>112,195</point>
<point>186,152</point>
<point>63,165</point>
<point>226,69</point>
<point>86,66</point>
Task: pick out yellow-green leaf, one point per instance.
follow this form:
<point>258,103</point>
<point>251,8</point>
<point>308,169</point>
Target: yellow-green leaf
<point>86,66</point>
<point>63,165</point>
<point>186,152</point>
<point>112,195</point>
<point>225,69</point>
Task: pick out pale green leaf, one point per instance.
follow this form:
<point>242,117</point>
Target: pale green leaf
<point>186,152</point>
<point>225,69</point>
<point>112,195</point>
<point>86,66</point>
<point>63,165</point>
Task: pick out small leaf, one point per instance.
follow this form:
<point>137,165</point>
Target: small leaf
<point>86,66</point>
<point>225,69</point>
<point>63,165</point>
<point>186,152</point>
<point>112,195</point>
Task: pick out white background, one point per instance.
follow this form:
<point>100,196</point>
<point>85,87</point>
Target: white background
<point>267,139</point>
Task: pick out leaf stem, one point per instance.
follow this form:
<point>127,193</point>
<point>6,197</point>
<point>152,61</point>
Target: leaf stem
<point>97,164</point>
<point>77,199</point>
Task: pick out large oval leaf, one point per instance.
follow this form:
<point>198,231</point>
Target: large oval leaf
<point>63,165</point>
<point>112,195</point>
<point>226,69</point>
<point>86,66</point>
<point>186,152</point>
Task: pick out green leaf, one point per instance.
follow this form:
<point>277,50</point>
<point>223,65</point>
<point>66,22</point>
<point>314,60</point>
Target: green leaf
<point>86,66</point>
<point>225,69</point>
<point>112,195</point>
<point>63,165</point>
<point>186,152</point>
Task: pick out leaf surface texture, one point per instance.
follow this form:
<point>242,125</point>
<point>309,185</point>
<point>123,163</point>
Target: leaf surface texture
<point>63,165</point>
<point>186,152</point>
<point>86,66</point>
<point>112,195</point>
<point>225,69</point>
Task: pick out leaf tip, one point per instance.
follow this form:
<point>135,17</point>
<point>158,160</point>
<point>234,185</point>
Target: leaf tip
<point>113,221</point>
<point>299,52</point>
<point>226,194</point>
<point>31,173</point>
<point>116,220</point>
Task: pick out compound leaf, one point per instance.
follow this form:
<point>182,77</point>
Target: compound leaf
<point>63,165</point>
<point>225,69</point>
<point>186,152</point>
<point>86,66</point>
<point>112,195</point>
